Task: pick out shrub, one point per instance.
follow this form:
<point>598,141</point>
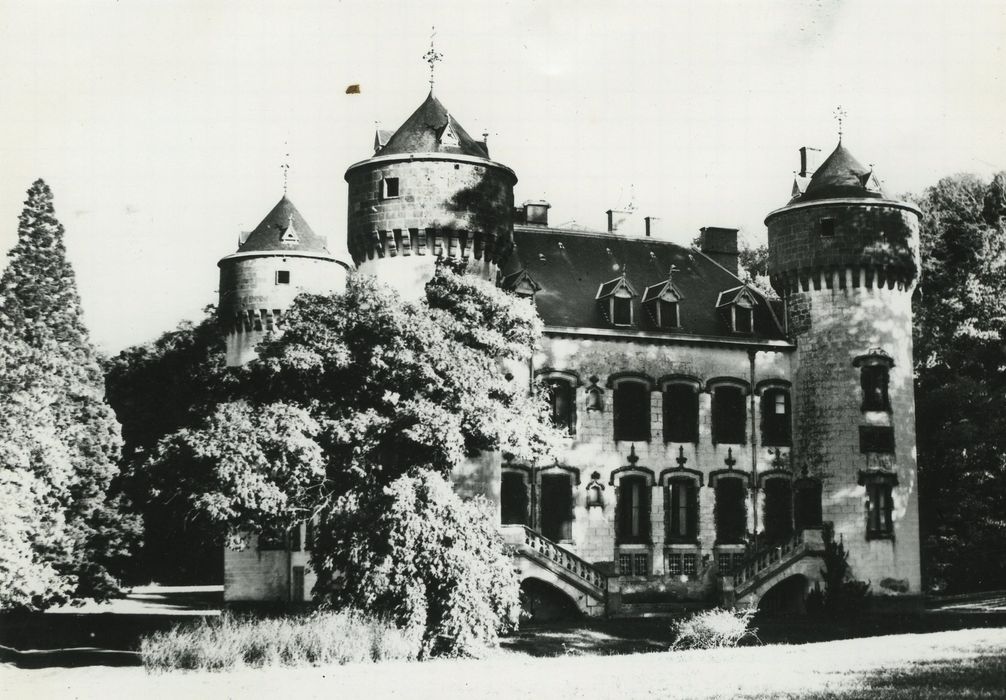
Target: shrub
<point>428,560</point>
<point>842,594</point>
<point>714,629</point>
<point>321,638</point>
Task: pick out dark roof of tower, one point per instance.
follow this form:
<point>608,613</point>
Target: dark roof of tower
<point>423,133</point>
<point>571,266</point>
<point>841,175</point>
<point>283,228</point>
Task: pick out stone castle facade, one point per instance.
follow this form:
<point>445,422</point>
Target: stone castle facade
<point>712,431</point>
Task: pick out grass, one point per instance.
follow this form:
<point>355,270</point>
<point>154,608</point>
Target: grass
<point>232,642</point>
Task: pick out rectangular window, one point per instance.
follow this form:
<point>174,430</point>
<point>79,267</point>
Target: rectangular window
<point>641,564</point>
<point>389,187</point>
<point>556,507</point>
<point>879,519</point>
<point>683,511</point>
<point>743,319</point>
<point>874,380</point>
<point>621,311</point>
<point>681,413</point>
<point>827,227</point>
<point>729,416</point>
<point>730,511</point>
<point>633,510</point>
<point>775,418</point>
<point>876,438</point>
<point>632,411</point>
<point>282,277</point>
<point>625,564</point>
<point>667,313</point>
<point>513,499</point>
<point>563,404</point>
<point>271,539</point>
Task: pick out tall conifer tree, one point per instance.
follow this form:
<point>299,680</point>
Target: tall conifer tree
<point>50,377</point>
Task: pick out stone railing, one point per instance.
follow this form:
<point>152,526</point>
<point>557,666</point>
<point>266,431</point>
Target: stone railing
<point>529,541</point>
<point>768,557</point>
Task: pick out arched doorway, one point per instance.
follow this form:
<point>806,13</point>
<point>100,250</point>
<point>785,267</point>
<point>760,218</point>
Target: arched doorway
<point>543,602</point>
<point>788,597</point>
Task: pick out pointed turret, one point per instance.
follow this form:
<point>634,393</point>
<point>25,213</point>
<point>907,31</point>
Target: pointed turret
<point>841,175</point>
<point>432,129</point>
<point>283,229</point>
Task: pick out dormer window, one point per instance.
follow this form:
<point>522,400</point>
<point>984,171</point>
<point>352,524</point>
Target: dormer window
<point>661,301</point>
<point>615,298</point>
<point>389,188</point>
<point>738,305</point>
<point>520,283</point>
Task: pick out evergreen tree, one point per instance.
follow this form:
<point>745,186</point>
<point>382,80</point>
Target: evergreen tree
<point>50,377</point>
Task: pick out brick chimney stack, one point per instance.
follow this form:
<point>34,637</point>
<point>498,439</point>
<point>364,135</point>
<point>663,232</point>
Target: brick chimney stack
<point>720,244</point>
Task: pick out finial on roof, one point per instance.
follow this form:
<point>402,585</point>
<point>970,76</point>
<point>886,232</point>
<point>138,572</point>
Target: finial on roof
<point>840,115</point>
<point>670,273</point>
<point>432,57</point>
<point>286,170</point>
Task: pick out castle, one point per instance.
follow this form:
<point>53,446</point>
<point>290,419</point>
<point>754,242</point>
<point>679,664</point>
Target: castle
<point>711,431</point>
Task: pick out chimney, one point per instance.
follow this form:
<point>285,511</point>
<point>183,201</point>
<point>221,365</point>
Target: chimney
<point>808,160</point>
<point>652,225</point>
<point>617,218</point>
<point>720,244</point>
<point>536,212</point>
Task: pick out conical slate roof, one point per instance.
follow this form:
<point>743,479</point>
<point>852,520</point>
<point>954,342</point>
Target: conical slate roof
<point>283,229</point>
<point>431,129</point>
<point>841,175</point>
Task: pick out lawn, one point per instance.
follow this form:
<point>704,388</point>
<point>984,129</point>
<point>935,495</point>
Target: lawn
<point>961,663</point>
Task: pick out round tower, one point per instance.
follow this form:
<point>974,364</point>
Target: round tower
<point>273,263</point>
<point>430,191</point>
<point>845,259</point>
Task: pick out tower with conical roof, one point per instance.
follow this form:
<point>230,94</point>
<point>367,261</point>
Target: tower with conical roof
<point>281,257</point>
<point>845,258</point>
<point>429,192</point>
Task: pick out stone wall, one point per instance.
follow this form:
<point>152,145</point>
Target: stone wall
<point>593,448</point>
<point>252,302</point>
<point>844,324</point>
<point>253,575</point>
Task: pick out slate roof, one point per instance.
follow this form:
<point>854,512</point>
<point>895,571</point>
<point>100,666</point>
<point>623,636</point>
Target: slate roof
<point>422,132</point>
<point>841,175</point>
<point>571,265</point>
<point>275,227</point>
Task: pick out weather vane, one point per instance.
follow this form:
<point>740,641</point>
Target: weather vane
<point>432,56</point>
<point>286,170</point>
<point>840,115</point>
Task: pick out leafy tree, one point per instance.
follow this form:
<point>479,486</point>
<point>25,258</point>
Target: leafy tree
<point>960,365</point>
<point>157,389</point>
<point>349,415</point>
<point>63,440</point>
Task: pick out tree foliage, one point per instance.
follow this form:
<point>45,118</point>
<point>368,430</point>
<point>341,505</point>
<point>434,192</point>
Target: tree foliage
<point>960,365</point>
<point>351,415</point>
<point>69,528</point>
<point>157,389</point>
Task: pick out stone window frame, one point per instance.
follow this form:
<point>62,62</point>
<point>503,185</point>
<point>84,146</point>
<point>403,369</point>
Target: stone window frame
<point>679,379</point>
<point>385,188</point>
<point>280,276</point>
<point>775,387</point>
<point>745,478</point>
<point>572,380</point>
<point>615,381</point>
<point>574,478</point>
<point>723,382</point>
<point>649,480</point>
<point>879,503</point>
<point>527,476</point>
<point>777,475</point>
<point>679,475</point>
<point>875,376</point>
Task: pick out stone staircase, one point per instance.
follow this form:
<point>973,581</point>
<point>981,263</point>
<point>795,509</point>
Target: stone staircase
<point>541,558</point>
<point>766,566</point>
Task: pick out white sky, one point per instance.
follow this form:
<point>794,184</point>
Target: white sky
<point>161,125</point>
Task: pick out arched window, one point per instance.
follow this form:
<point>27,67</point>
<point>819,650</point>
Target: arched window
<point>777,508</point>
<point>729,415</point>
<point>562,400</point>
<point>513,499</point>
<point>776,418</point>
<point>730,510</point>
<point>631,401</point>
<point>807,503</point>
<point>633,510</point>
<point>681,412</point>
<point>682,510</point>
<point>557,506</point>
